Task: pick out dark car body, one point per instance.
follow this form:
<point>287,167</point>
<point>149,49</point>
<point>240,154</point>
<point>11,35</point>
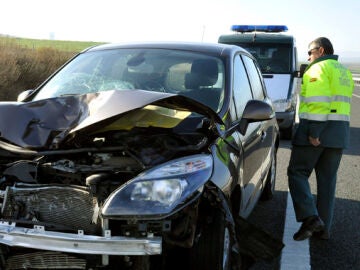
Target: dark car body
<point>130,153</point>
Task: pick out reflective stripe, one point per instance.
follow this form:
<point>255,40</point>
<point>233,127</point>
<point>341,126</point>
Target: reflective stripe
<point>315,99</point>
<point>325,99</point>
<point>341,99</point>
<point>339,117</point>
<point>325,117</point>
<point>312,116</point>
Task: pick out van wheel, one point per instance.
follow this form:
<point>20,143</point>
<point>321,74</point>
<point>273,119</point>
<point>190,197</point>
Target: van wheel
<point>212,251</point>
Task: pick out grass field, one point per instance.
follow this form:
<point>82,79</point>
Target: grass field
<point>62,45</point>
<point>77,46</point>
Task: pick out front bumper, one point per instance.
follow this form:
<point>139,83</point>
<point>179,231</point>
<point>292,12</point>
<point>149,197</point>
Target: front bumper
<point>38,238</point>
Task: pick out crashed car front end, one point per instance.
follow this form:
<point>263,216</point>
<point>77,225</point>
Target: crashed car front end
<point>130,221</point>
<point>118,185</point>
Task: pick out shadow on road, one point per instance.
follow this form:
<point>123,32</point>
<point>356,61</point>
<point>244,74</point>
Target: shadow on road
<point>342,250</point>
<point>269,216</point>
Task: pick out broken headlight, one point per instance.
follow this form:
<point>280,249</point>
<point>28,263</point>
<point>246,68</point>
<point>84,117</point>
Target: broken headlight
<point>159,190</point>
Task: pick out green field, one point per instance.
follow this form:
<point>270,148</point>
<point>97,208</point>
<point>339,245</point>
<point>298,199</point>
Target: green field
<point>77,46</point>
<point>62,45</point>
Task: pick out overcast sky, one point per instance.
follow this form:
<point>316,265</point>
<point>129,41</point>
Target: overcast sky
<point>184,20</point>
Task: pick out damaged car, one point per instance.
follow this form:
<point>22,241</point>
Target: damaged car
<point>136,156</point>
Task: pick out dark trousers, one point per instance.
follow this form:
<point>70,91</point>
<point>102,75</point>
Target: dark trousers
<point>325,161</point>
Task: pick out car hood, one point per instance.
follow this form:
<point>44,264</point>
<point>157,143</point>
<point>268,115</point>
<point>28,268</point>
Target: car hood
<point>46,123</point>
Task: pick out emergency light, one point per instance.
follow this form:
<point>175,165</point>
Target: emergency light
<point>259,28</point>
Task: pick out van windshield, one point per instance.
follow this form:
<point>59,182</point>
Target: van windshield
<point>272,58</point>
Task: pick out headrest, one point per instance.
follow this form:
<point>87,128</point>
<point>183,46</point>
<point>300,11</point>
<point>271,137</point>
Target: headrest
<point>204,72</point>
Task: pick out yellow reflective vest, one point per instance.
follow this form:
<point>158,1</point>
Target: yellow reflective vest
<point>326,91</point>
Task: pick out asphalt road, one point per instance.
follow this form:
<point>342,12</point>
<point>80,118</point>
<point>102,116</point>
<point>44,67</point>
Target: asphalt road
<point>342,251</point>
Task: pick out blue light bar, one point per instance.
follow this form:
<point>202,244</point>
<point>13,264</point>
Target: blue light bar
<point>259,28</point>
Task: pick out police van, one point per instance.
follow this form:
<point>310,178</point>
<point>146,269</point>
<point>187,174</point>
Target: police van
<point>277,57</point>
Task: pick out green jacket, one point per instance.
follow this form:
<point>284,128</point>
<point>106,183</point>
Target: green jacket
<point>325,101</point>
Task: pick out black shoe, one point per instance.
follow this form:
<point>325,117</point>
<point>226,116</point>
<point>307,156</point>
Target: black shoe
<point>309,226</point>
<point>322,235</point>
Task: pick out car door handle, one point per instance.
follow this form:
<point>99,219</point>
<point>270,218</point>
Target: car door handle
<point>263,135</point>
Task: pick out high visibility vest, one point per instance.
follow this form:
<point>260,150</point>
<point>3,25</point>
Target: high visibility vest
<point>326,91</point>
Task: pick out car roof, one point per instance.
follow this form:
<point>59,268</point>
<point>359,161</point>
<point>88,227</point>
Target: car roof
<point>257,38</point>
<point>202,47</point>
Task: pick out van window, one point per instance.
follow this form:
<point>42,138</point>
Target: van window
<point>272,58</point>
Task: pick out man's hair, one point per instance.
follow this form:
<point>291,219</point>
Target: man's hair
<point>325,43</point>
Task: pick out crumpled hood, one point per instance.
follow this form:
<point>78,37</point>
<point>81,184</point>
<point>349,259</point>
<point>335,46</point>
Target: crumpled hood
<point>46,123</point>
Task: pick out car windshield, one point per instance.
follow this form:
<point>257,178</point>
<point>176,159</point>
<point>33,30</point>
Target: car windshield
<point>272,58</point>
<point>195,75</point>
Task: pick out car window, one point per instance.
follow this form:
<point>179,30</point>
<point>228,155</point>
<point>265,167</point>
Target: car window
<point>242,90</point>
<point>201,79</point>
<point>255,78</point>
<point>195,75</point>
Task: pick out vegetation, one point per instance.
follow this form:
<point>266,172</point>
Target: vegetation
<point>61,45</point>
<point>26,63</point>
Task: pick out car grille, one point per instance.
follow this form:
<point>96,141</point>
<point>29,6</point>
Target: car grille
<point>64,208</point>
<point>44,260</point>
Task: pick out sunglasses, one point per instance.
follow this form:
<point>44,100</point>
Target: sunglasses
<point>313,49</point>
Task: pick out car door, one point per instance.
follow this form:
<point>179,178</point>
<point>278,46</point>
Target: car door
<point>250,142</point>
<point>263,128</point>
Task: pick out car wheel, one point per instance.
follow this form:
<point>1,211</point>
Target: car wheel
<point>212,251</point>
<point>269,188</point>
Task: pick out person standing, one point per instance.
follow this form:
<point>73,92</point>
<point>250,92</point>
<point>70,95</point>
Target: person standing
<point>321,136</point>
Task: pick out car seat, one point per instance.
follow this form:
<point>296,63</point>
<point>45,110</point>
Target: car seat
<point>200,81</point>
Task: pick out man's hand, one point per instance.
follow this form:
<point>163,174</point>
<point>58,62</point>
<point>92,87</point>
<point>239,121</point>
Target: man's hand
<point>314,141</point>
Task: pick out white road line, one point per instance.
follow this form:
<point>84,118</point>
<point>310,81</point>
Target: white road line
<point>295,254</point>
<point>356,96</point>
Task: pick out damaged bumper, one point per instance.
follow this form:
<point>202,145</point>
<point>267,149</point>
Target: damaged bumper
<point>38,238</point>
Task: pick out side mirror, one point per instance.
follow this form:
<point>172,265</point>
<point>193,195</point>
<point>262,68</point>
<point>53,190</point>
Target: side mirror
<point>302,70</point>
<point>255,111</point>
<point>24,95</point>
<point>300,73</point>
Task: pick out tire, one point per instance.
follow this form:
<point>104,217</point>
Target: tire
<point>212,251</point>
<point>269,189</point>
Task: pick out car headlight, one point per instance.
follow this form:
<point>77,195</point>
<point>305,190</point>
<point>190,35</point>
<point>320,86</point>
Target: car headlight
<point>282,105</point>
<point>164,191</point>
<point>159,190</point>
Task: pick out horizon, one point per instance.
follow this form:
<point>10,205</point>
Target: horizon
<point>202,20</point>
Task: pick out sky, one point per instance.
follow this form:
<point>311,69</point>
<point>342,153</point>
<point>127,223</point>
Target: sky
<point>181,20</point>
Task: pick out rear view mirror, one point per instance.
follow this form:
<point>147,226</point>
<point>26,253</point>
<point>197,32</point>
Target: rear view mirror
<point>255,111</point>
<point>24,95</point>
<point>302,70</point>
